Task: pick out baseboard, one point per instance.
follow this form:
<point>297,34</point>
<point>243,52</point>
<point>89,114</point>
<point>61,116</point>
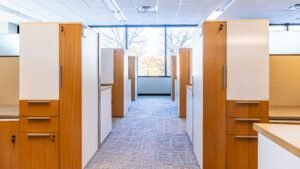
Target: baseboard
<point>154,94</point>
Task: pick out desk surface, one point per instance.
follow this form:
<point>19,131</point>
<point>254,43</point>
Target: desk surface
<point>286,136</point>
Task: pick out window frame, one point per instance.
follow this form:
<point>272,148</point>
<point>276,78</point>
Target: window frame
<point>148,26</point>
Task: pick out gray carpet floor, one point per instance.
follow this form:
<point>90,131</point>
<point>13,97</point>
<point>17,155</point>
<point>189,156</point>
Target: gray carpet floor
<point>151,136</point>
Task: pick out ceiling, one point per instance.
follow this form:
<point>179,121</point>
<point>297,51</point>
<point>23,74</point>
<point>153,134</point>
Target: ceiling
<point>94,12</point>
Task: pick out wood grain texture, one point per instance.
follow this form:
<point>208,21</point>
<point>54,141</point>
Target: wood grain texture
<point>174,77</point>
<point>214,95</point>
<point>70,96</point>
<point>236,109</point>
<point>39,109</point>
<point>241,153</point>
<point>9,127</point>
<point>118,87</point>
<point>39,125</point>
<point>9,149</point>
<point>243,126</point>
<point>133,76</point>
<point>38,152</point>
<point>184,80</point>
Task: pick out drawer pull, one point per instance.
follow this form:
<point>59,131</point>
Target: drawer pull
<point>247,102</point>
<point>38,102</point>
<point>246,137</point>
<point>38,135</point>
<point>247,119</point>
<point>38,118</point>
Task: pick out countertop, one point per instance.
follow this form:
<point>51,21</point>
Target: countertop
<point>9,113</point>
<point>286,136</point>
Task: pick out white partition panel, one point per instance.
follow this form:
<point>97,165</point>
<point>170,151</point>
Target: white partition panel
<point>39,63</point>
<point>273,156</point>
<point>107,66</point>
<point>90,95</point>
<point>248,60</point>
<point>189,113</point>
<point>198,95</point>
<point>285,42</point>
<point>106,114</point>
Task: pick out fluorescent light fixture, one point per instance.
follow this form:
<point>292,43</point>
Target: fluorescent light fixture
<point>18,14</point>
<point>147,9</point>
<point>221,9</point>
<point>214,15</point>
<point>115,9</point>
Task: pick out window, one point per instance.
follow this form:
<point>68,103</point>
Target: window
<point>112,37</point>
<point>153,45</point>
<point>277,28</point>
<point>177,37</point>
<point>294,28</point>
<point>147,43</point>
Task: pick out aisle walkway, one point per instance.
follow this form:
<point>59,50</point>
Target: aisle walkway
<point>151,136</point>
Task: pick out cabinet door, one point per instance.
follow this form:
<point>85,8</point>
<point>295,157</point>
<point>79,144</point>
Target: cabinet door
<point>248,60</point>
<point>39,61</point>
<point>39,150</point>
<point>189,113</point>
<point>241,152</point>
<point>9,144</point>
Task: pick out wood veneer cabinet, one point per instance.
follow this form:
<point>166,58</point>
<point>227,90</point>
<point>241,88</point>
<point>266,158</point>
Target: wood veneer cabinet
<point>9,144</point>
<point>183,79</point>
<point>133,76</point>
<point>231,91</point>
<point>122,84</point>
<point>58,95</point>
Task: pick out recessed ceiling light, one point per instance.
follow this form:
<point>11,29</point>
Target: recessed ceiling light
<point>147,9</point>
<point>294,7</point>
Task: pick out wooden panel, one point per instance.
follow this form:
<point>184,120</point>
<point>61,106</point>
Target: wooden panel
<point>184,74</point>
<point>132,76</point>
<point>243,126</point>
<point>39,108</point>
<point>241,152</point>
<point>70,96</point>
<point>39,151</point>
<point>118,87</point>
<point>9,126</point>
<point>247,108</point>
<point>173,76</point>
<point>214,96</point>
<point>39,124</point>
<point>9,150</point>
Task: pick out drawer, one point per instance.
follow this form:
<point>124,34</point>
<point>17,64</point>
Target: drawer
<point>39,108</point>
<point>243,126</point>
<point>247,109</point>
<point>9,127</point>
<point>241,152</point>
<point>39,124</point>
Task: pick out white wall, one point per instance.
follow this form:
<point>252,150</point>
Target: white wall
<point>284,42</point>
<point>154,85</point>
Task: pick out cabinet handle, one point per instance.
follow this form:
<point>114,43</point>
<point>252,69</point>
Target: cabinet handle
<point>38,135</point>
<point>247,102</point>
<point>246,137</point>
<point>60,76</point>
<point>225,76</point>
<point>248,119</point>
<point>38,118</point>
<point>13,138</point>
<point>38,101</point>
